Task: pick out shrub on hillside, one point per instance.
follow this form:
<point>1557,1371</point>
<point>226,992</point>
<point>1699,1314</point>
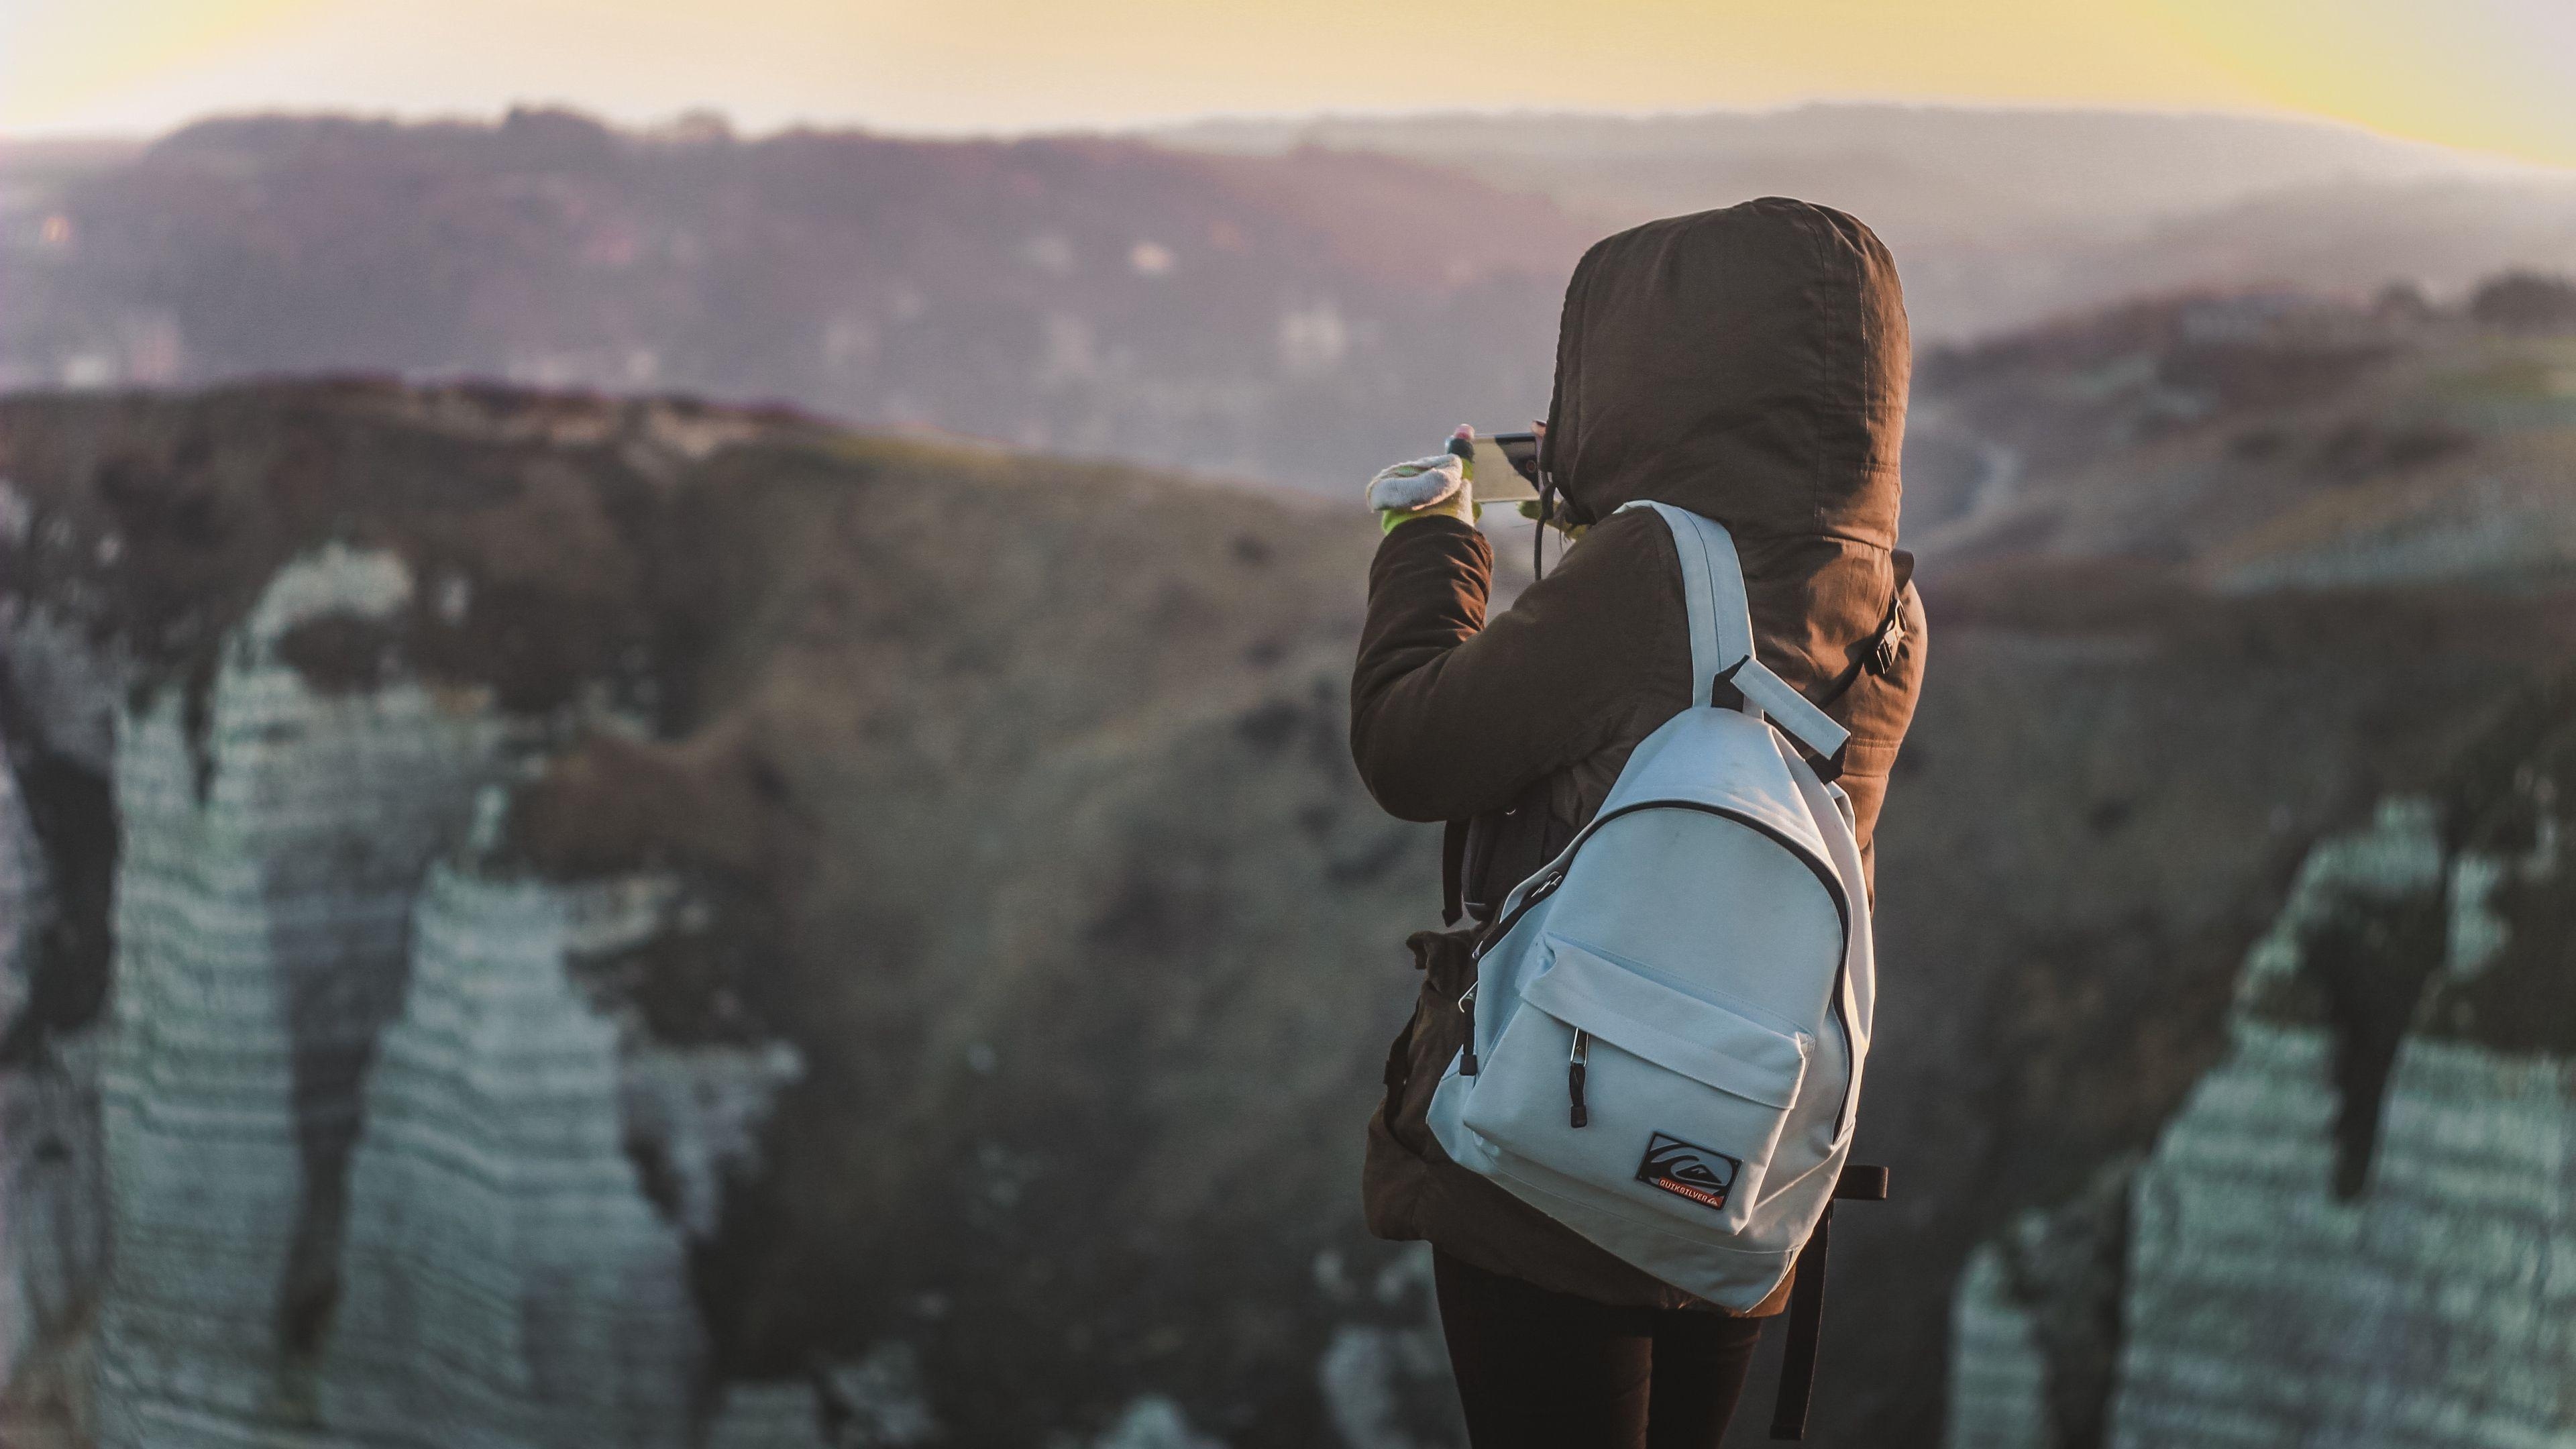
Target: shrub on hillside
<point>2526,299</point>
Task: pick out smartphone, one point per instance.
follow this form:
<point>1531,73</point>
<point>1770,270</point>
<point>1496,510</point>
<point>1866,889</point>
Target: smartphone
<point>1506,467</point>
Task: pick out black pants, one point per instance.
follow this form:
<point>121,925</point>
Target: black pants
<point>1549,1370</point>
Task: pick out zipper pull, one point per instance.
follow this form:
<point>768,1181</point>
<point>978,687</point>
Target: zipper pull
<point>1467,1054</point>
<point>1574,1061</point>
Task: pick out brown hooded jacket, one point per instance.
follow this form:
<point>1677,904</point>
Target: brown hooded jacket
<point>1750,365</point>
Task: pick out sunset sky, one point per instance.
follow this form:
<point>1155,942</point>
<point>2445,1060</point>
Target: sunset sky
<point>2491,75</point>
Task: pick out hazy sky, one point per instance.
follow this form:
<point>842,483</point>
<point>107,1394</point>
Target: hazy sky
<point>2496,75</point>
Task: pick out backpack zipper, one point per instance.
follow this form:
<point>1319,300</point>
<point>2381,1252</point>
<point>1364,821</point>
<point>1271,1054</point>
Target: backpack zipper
<point>1467,1054</point>
<point>1503,927</point>
<point>1574,1074</point>
<point>1851,1058</point>
<point>1851,1068</point>
<point>1555,878</point>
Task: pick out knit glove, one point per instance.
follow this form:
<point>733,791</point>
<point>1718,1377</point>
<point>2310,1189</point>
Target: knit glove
<point>1441,486</point>
<point>1555,520</point>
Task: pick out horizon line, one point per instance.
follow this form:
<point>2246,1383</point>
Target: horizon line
<point>645,125</point>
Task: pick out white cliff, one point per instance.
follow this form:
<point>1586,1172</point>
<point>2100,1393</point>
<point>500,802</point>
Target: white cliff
<point>61,698</point>
<point>368,1145</point>
<point>2290,1273</point>
<point>2434,1306</point>
<point>506,1281</point>
<point>1998,1365</point>
<point>271,847</point>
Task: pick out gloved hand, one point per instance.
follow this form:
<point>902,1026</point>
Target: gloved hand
<point>1442,486</point>
<point>1557,520</point>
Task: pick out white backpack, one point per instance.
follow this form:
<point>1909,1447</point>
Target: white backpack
<point>1670,1017</point>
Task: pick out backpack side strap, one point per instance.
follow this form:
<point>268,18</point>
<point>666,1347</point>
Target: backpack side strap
<point>1858,1183</point>
<point>1861,1182</point>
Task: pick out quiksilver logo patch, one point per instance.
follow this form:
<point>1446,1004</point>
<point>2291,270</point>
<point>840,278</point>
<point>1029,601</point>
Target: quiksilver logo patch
<point>1685,1170</point>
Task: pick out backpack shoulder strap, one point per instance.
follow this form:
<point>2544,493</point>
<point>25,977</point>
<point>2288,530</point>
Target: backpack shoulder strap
<point>1721,633</point>
<point>1721,624</point>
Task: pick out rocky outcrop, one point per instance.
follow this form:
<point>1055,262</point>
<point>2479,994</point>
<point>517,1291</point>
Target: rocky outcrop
<point>2105,798</point>
<point>529,926</point>
<point>358,1115</point>
<point>2037,1323</point>
<point>500,1227</point>
<point>271,848</point>
<point>59,699</point>
<point>2346,1233</point>
<point>57,1227</point>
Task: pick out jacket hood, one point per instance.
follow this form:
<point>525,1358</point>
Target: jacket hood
<point>1748,364</point>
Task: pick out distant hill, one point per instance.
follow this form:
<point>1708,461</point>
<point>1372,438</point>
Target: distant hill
<point>2001,218</point>
<point>2255,442</point>
<point>1296,319</point>
<point>1289,304</point>
<point>1935,171</point>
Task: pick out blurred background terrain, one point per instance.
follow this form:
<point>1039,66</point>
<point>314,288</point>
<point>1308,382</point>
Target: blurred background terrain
<point>681,789</point>
<point>1282,303</point>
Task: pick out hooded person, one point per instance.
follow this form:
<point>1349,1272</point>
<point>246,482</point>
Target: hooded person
<point>1749,365</point>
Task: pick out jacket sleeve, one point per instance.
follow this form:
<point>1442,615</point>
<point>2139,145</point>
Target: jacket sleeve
<point>1452,715</point>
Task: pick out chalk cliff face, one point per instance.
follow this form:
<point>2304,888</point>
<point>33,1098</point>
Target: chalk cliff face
<point>261,924</point>
<point>2348,1234</point>
<point>557,922</point>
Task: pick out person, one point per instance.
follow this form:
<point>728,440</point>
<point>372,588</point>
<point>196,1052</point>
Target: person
<point>1750,365</point>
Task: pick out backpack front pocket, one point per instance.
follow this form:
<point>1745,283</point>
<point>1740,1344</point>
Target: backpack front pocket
<point>1666,1100</point>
